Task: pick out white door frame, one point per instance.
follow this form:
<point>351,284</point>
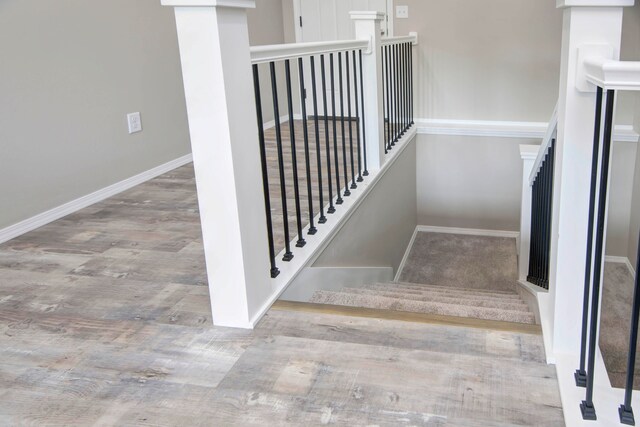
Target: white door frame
<point>298,31</point>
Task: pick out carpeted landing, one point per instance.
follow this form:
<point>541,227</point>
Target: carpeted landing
<point>615,323</point>
<point>450,275</point>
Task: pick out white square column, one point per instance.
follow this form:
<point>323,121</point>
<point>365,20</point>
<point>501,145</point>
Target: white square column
<point>218,84</point>
<point>585,22</point>
<point>368,26</point>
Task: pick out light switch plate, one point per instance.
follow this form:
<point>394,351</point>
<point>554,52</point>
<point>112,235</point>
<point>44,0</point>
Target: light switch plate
<point>134,122</point>
<point>402,12</point>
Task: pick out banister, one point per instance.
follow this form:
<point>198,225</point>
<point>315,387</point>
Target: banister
<point>279,52</point>
<point>544,147</point>
<point>612,74</point>
<point>411,38</point>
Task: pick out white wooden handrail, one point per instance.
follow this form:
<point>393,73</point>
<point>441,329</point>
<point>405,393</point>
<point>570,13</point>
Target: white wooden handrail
<point>411,38</point>
<point>549,135</point>
<point>611,74</point>
<point>279,52</point>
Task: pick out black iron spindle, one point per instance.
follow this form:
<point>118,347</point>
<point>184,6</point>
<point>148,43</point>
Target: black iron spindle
<point>387,145</point>
<point>581,374</point>
<point>355,97</point>
<point>344,140</point>
<point>335,133</point>
<point>322,218</point>
<point>350,120</point>
<point>288,256</point>
<point>294,160</point>
<point>586,407</point>
<point>398,91</point>
<point>365,172</point>
<point>625,411</point>
<point>265,175</point>
<point>411,80</point>
<point>305,132</point>
<point>403,88</point>
<point>331,208</point>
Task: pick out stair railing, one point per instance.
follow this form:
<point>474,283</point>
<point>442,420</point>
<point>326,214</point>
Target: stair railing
<point>541,183</point>
<point>320,145</point>
<point>609,76</point>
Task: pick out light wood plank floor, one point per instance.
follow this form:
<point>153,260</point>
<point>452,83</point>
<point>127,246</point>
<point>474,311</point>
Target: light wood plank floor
<point>104,320</point>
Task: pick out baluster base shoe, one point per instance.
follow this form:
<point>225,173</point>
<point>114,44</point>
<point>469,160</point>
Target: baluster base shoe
<point>287,256</point>
<point>274,273</point>
<point>312,231</point>
<point>300,243</point>
<point>588,411</point>
<point>626,416</point>
<point>581,378</point>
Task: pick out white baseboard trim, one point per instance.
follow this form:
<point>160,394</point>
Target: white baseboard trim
<point>622,260</point>
<point>504,129</point>
<point>283,119</point>
<point>406,255</point>
<point>469,231</point>
<point>58,212</point>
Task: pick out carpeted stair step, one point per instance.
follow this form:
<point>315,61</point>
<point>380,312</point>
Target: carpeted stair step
<point>452,292</point>
<point>381,302</point>
<point>460,288</point>
<point>461,299</point>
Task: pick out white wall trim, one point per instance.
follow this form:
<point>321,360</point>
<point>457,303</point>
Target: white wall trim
<point>58,212</point>
<point>406,255</point>
<point>622,260</point>
<point>504,129</point>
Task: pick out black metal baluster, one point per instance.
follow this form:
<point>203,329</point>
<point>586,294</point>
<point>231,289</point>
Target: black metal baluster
<point>353,176</point>
<point>403,88</point>
<point>586,407</point>
<point>581,374</point>
<point>411,80</point>
<point>355,97</point>
<point>335,133</point>
<point>265,175</point>
<point>331,209</point>
<point>535,232</point>
<point>385,104</point>
<point>545,218</point>
<point>625,411</point>
<point>344,140</point>
<point>294,158</point>
<point>398,92</point>
<point>406,85</point>
<point>394,100</point>
<point>387,145</point>
<point>322,218</point>
<point>288,256</point>
<point>365,172</point>
<point>305,132</point>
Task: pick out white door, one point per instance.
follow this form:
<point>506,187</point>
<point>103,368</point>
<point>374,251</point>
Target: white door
<point>326,20</point>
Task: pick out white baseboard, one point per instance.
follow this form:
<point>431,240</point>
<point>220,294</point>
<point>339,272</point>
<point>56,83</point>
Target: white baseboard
<point>469,231</point>
<point>622,260</point>
<point>406,255</point>
<point>58,212</point>
<point>283,119</point>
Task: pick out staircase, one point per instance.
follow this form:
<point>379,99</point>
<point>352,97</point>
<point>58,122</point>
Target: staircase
<point>432,299</point>
<point>454,275</point>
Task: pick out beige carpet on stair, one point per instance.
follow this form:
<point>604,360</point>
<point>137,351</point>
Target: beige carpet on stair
<point>472,262</point>
<point>615,323</point>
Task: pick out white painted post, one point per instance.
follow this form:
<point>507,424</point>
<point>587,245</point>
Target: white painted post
<point>528,154</point>
<point>368,27</point>
<point>216,69</point>
<point>590,22</point>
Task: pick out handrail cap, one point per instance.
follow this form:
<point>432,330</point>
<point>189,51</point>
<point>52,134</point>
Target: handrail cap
<point>593,3</point>
<point>241,4</point>
<point>366,15</point>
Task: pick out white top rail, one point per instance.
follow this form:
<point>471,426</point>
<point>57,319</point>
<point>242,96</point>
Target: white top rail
<point>549,135</point>
<point>411,38</point>
<point>611,74</point>
<point>280,52</point>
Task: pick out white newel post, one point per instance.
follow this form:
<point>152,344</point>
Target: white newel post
<point>528,154</point>
<point>587,24</point>
<point>216,69</point>
<point>368,27</point>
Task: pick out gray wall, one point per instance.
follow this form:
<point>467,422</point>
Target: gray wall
<point>631,51</point>
<point>469,182</point>
<point>485,60</point>
<point>71,70</point>
<point>380,229</point>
